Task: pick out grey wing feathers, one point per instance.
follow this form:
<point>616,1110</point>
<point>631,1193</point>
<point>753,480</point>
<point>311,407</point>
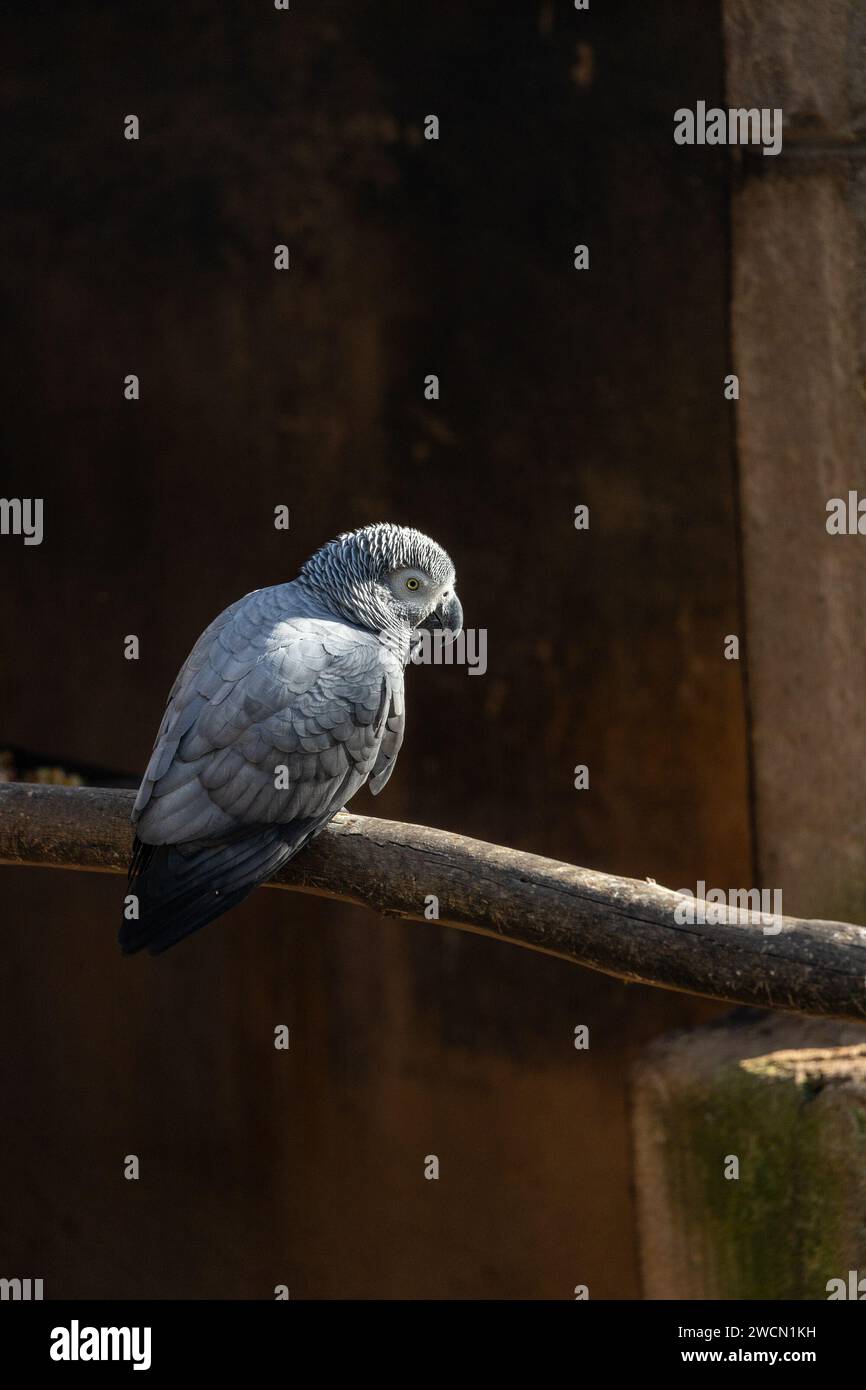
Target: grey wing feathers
<point>278,716</point>
<point>273,719</point>
<point>392,738</point>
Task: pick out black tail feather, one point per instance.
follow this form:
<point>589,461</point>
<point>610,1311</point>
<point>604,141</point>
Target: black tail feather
<point>181,888</point>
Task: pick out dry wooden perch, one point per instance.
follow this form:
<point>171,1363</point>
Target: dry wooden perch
<point>616,925</point>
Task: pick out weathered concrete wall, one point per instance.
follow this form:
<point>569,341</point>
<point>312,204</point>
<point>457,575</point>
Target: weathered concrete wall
<point>786,1098</point>
<point>799,338</point>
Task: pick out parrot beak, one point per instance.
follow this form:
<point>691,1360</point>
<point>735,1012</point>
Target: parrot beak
<point>447,616</point>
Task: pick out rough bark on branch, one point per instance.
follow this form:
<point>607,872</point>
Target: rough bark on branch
<point>619,926</point>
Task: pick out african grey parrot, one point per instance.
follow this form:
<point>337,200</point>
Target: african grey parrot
<point>289,702</point>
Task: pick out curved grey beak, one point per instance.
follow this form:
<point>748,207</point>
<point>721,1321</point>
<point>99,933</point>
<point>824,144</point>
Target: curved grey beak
<point>447,616</point>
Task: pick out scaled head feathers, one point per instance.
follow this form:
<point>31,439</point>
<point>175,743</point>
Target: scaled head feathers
<point>385,577</point>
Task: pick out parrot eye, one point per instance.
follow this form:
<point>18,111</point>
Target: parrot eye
<point>412,584</point>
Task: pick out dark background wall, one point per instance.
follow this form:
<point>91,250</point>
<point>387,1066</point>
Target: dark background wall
<point>306,388</point>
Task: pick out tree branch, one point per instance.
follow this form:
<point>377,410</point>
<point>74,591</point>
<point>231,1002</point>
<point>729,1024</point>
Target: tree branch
<point>616,925</point>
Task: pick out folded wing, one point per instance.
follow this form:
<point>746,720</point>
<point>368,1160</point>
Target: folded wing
<point>274,722</point>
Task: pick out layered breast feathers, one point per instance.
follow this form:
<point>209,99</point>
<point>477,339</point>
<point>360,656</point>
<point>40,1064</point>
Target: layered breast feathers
<point>277,717</point>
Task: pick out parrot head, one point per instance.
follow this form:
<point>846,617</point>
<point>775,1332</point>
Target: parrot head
<point>388,578</point>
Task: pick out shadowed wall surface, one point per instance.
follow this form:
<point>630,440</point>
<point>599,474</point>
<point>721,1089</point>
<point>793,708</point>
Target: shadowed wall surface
<point>305,388</point>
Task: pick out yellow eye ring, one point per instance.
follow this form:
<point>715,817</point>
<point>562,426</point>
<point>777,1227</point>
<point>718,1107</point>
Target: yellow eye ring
<point>412,584</point>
